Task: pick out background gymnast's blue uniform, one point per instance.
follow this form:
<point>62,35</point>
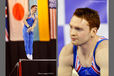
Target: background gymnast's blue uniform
<point>28,36</point>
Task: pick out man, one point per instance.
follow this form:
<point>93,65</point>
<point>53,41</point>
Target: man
<point>87,53</point>
<point>30,21</point>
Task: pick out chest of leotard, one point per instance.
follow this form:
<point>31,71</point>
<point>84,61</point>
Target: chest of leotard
<point>83,69</point>
<point>30,20</point>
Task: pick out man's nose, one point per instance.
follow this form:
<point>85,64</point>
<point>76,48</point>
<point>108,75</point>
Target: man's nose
<point>73,32</point>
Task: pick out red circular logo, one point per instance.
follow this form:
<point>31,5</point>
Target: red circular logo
<point>18,11</point>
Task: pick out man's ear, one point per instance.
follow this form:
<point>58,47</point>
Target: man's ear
<point>93,31</point>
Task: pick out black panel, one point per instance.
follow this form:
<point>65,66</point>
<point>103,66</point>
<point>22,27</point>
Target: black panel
<point>38,68</point>
<point>15,51</point>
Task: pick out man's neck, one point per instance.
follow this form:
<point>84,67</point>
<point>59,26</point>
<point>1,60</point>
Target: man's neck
<point>32,13</point>
<point>87,48</point>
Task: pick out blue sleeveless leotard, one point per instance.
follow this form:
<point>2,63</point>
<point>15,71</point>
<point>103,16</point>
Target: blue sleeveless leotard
<point>94,70</point>
<point>28,36</point>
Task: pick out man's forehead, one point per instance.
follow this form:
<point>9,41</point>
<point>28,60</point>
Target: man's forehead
<point>77,20</point>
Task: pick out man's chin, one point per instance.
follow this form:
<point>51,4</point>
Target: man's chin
<point>74,43</point>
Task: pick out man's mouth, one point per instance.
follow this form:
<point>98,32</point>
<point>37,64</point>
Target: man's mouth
<point>73,39</point>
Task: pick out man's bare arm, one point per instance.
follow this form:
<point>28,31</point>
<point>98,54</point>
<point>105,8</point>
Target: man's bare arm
<point>102,59</point>
<point>65,63</point>
<point>25,17</point>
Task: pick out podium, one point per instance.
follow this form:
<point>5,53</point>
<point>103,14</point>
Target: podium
<point>35,67</point>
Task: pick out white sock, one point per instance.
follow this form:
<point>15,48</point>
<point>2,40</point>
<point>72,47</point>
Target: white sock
<point>31,57</point>
<point>28,56</point>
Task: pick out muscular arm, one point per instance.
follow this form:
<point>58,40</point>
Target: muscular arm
<point>102,60</point>
<point>65,62</point>
<point>25,22</point>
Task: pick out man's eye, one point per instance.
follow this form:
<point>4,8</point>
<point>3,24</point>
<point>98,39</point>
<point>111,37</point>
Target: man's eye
<point>79,29</point>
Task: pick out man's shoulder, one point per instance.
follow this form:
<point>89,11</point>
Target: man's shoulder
<point>66,55</point>
<point>67,49</point>
<point>103,44</point>
<point>102,47</point>
<point>102,52</point>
